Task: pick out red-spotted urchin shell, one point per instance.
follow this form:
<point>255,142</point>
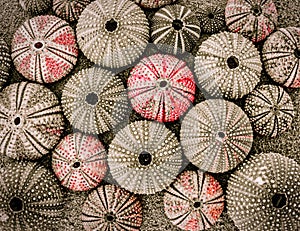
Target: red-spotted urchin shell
<point>30,199</point>
<point>35,7</point>
<point>161,87</point>
<point>228,64</point>
<point>255,19</point>
<point>31,120</point>
<point>94,100</point>
<point>175,26</point>
<point>5,62</point>
<point>44,49</point>
<point>270,110</point>
<point>194,201</point>
<point>111,208</point>
<point>153,3</point>
<point>216,135</point>
<point>144,157</point>
<point>263,193</point>
<point>69,9</point>
<point>79,162</point>
<point>112,33</point>
<point>281,56</point>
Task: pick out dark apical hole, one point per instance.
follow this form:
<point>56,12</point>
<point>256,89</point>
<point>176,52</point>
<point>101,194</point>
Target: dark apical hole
<point>279,200</point>
<point>211,16</point>
<point>221,135</point>
<point>232,62</point>
<point>145,158</point>
<point>38,45</point>
<point>91,98</point>
<point>297,53</point>
<point>17,121</point>
<point>16,204</point>
<point>111,25</point>
<point>177,24</point>
<point>256,10</point>
<point>110,217</point>
<point>163,83</point>
<point>197,204</point>
<point>76,165</point>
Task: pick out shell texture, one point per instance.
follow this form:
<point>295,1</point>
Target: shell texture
<point>5,62</point>
<point>227,64</point>
<point>263,193</point>
<point>255,19</point>
<point>111,208</point>
<point>161,87</point>
<point>144,157</point>
<point>281,56</point>
<point>153,3</point>
<point>35,7</point>
<point>79,162</point>
<point>44,49</point>
<point>216,135</point>
<point>112,33</point>
<point>31,121</point>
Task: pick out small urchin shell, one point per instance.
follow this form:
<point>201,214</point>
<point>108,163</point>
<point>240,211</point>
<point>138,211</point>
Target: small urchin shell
<point>175,26</point>
<point>194,201</point>
<point>254,19</point>
<point>270,110</point>
<point>94,100</point>
<point>31,120</point>
<point>153,3</point>
<point>111,208</point>
<point>30,199</point>
<point>69,10</point>
<point>79,161</point>
<point>161,87</point>
<point>263,193</point>
<point>216,135</point>
<point>281,56</point>
<point>228,64</point>
<point>112,33</point>
<point>35,7</point>
<point>44,49</point>
<point>144,157</point>
<point>5,62</point>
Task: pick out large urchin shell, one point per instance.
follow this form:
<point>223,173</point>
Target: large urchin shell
<point>175,26</point>
<point>94,100</point>
<point>69,10</point>
<point>270,110</point>
<point>30,197</point>
<point>5,62</point>
<point>112,33</point>
<point>79,161</point>
<point>161,87</point>
<point>31,120</point>
<point>216,135</point>
<point>35,7</point>
<point>144,157</point>
<point>254,19</point>
<point>281,56</point>
<point>153,3</point>
<point>263,193</point>
<point>228,64</point>
<point>44,49</point>
<point>111,208</point>
<point>194,201</point>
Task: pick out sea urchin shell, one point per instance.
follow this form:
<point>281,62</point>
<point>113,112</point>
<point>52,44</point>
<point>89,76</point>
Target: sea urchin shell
<point>153,3</point>
<point>35,7</point>
<point>5,62</point>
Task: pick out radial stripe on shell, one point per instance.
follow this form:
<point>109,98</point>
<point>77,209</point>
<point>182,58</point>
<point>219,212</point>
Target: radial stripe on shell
<point>144,157</point>
<point>79,161</point>
<point>228,64</point>
<point>216,135</point>
<point>112,33</point>
<point>35,7</point>
<point>44,49</point>
<point>263,193</point>
<point>281,56</point>
<point>111,208</point>
<point>161,87</point>
<point>194,201</point>
<point>31,120</point>
<point>153,3</point>
<point>5,62</point>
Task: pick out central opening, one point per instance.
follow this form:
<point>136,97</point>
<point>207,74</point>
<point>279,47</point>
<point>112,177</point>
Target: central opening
<point>197,204</point>
<point>110,217</point>
<point>163,83</point>
<point>211,16</point>
<point>256,10</point>
<point>17,120</point>
<point>297,53</point>
<point>221,135</point>
<point>232,62</point>
<point>76,164</point>
<point>38,45</point>
<point>16,204</point>
<point>177,24</point>
<point>92,98</point>
<point>111,25</point>
<point>279,200</point>
<point>145,158</point>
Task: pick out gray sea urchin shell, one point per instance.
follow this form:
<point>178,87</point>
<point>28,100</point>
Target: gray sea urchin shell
<point>5,62</point>
<point>35,7</point>
<point>153,3</point>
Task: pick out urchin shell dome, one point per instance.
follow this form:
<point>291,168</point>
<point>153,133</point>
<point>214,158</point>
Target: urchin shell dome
<point>263,193</point>
<point>31,120</point>
<point>112,33</point>
<point>35,7</point>
<point>30,199</point>
<point>5,62</point>
<point>44,49</point>
<point>153,3</point>
<point>227,64</point>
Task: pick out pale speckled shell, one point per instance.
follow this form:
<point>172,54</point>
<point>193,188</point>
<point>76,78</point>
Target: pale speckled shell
<point>5,62</point>
<point>35,7</point>
<point>153,3</point>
